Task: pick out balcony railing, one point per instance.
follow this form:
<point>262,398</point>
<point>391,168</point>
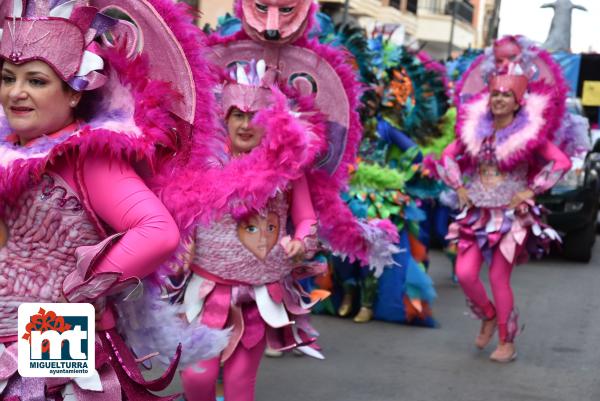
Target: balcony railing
<point>464,9</point>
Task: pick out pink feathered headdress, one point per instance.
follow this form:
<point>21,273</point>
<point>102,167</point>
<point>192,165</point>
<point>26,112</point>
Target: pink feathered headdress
<point>249,88</point>
<point>61,34</point>
<point>512,81</point>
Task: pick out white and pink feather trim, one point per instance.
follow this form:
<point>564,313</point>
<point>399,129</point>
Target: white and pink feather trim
<point>537,121</point>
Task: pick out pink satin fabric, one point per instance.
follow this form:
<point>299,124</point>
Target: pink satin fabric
<point>303,213</point>
<point>468,268</point>
<point>123,201</point>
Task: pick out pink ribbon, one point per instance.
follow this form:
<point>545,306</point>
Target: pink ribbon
<point>254,326</point>
<point>276,292</point>
<point>216,307</point>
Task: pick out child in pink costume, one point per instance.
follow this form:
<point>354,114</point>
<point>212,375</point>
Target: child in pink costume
<point>504,149</point>
<point>77,221</point>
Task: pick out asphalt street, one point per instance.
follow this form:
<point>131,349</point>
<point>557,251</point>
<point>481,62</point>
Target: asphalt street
<point>559,350</point>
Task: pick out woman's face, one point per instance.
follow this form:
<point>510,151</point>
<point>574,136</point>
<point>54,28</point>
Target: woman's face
<point>34,100</point>
<point>243,135</point>
<point>503,103</point>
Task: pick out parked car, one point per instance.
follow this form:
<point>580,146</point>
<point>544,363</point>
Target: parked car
<point>574,203</point>
<point>596,149</point>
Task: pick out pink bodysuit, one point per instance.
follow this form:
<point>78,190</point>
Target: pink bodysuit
<point>490,231</point>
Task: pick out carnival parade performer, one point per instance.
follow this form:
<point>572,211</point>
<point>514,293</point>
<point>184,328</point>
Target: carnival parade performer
<point>313,134</point>
<point>244,267</point>
<point>78,223</point>
<point>278,32</point>
<point>380,180</point>
<point>503,156</point>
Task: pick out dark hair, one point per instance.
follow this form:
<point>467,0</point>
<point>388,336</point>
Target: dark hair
<point>66,87</point>
<point>89,104</point>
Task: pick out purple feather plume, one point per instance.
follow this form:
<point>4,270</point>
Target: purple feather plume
<point>151,324</point>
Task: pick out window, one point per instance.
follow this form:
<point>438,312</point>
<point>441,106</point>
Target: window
<point>412,6</point>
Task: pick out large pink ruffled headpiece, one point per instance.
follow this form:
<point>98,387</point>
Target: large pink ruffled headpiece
<point>61,33</point>
<point>249,88</point>
<point>536,63</point>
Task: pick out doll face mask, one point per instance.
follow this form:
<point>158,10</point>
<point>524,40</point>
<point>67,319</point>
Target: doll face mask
<point>259,234</point>
<point>275,21</point>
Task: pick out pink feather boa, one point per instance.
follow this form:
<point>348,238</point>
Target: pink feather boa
<point>338,226</point>
<point>201,193</point>
<point>544,119</point>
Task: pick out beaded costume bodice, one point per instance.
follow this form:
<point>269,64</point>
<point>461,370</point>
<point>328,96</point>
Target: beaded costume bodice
<point>39,235</point>
<point>246,251</point>
<point>491,187</point>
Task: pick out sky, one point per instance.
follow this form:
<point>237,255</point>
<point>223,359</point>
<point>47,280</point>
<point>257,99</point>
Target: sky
<point>525,17</point>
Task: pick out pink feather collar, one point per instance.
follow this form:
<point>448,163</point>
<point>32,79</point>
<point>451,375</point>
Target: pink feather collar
<point>535,124</point>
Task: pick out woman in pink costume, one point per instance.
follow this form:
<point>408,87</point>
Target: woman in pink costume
<point>241,265</point>
<point>77,221</point>
<point>502,158</point>
<point>244,263</point>
<point>306,157</point>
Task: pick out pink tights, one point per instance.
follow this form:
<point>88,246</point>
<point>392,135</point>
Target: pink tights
<point>468,266</point>
<point>239,376</point>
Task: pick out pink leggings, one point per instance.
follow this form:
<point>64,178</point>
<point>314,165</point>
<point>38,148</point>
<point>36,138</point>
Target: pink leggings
<point>468,266</point>
<point>239,376</point>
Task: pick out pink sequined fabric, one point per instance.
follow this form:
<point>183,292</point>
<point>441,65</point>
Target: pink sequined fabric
<point>498,191</point>
<point>220,250</point>
<point>44,227</point>
<point>233,269</point>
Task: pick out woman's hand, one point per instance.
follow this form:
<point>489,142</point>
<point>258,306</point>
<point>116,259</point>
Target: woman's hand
<point>521,197</point>
<point>294,249</point>
<point>463,198</point>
